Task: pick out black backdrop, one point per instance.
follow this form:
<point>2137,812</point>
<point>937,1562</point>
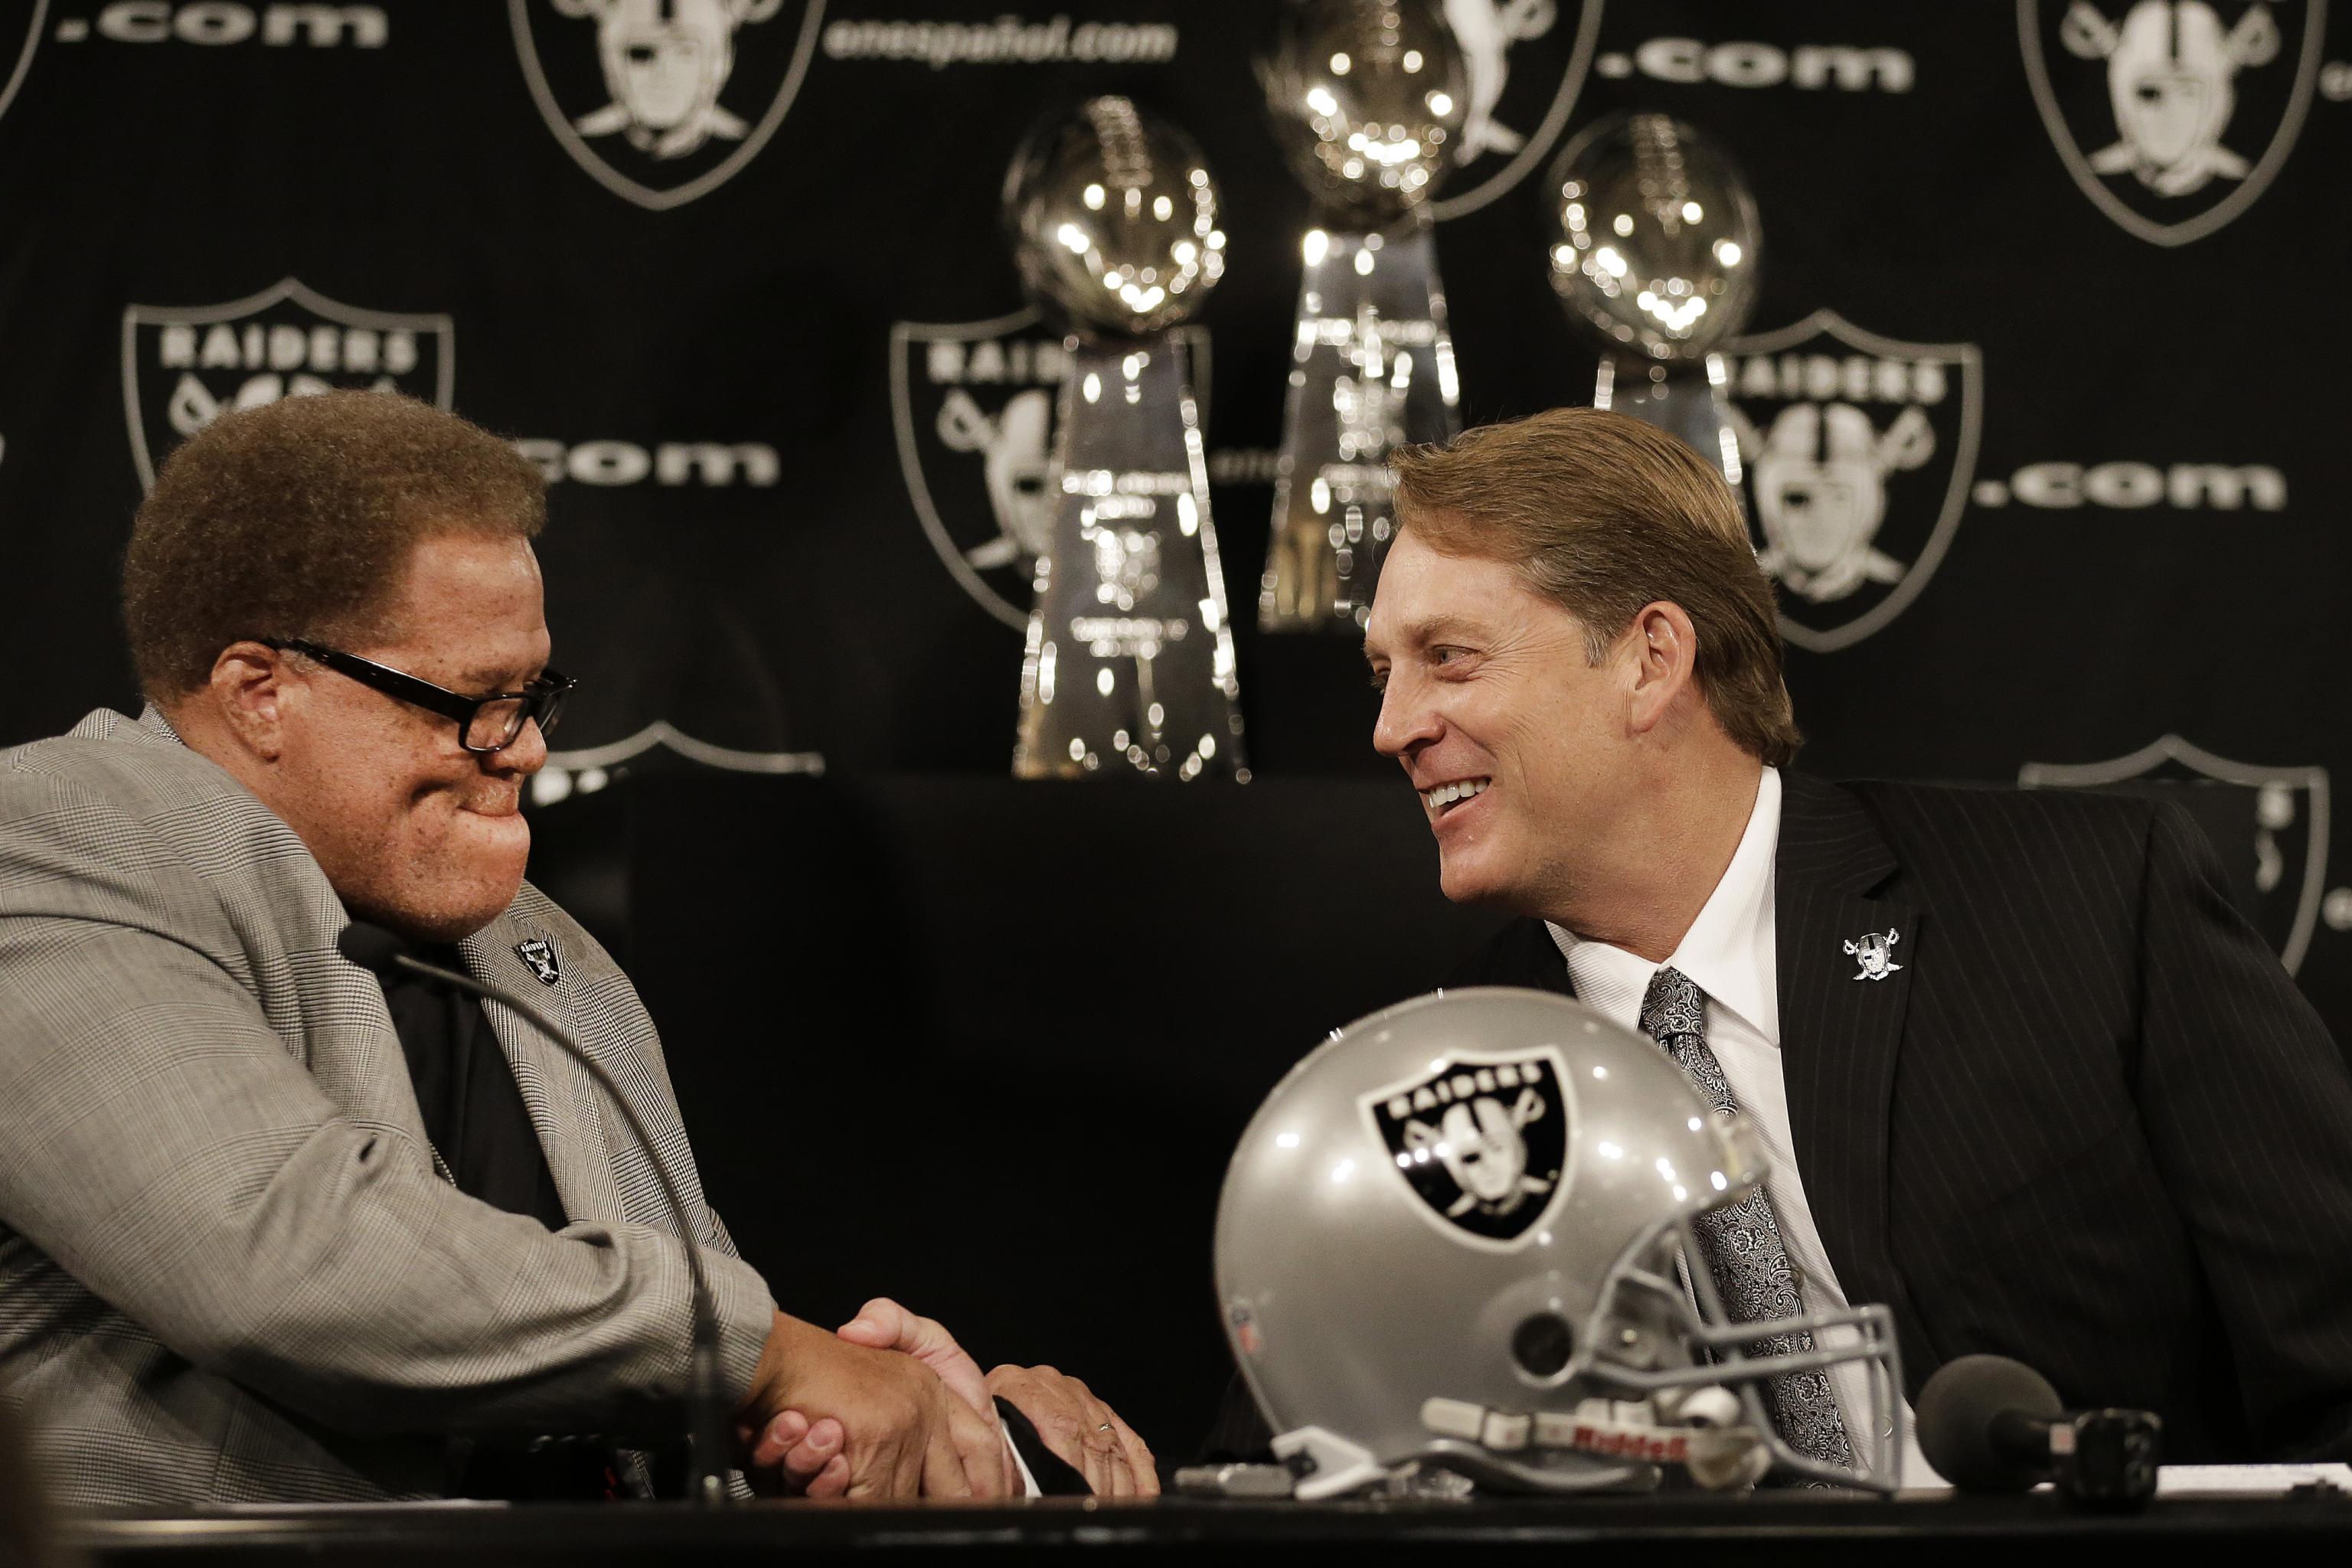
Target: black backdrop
<point>764,369</point>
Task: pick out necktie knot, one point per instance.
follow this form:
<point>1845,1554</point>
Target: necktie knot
<point>1673,1006</point>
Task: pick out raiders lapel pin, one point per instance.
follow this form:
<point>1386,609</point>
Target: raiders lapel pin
<point>539,953</point>
<point>1876,953</point>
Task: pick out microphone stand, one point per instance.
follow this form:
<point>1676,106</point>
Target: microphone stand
<point>706,1424</point>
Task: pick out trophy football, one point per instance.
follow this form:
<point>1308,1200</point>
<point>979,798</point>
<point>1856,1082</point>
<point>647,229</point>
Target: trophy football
<point>1656,258</point>
<point>1128,667</point>
<point>1368,97</point>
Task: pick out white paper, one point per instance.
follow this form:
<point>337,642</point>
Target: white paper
<point>2246,1480</point>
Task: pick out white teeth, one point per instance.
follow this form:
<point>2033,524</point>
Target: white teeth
<point>1446,794</point>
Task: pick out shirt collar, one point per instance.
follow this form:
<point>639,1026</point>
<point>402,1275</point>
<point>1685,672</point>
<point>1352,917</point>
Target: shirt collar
<point>1729,952</point>
<point>150,719</point>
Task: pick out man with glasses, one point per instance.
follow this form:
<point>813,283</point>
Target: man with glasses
<point>273,1230</point>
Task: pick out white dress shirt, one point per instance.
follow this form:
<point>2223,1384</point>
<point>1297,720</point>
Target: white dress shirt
<point>1730,952</point>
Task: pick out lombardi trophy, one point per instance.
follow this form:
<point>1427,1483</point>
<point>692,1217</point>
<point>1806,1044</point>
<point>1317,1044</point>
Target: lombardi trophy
<point>1657,258</point>
<point>1128,667</point>
<point>1368,97</point>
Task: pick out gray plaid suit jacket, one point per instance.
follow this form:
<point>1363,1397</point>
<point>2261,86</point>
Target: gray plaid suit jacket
<point>231,1266</point>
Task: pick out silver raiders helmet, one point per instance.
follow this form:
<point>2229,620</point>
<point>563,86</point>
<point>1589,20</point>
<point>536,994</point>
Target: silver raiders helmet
<point>1457,1237</point>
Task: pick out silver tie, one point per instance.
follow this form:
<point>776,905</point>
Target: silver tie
<point>1742,1241</point>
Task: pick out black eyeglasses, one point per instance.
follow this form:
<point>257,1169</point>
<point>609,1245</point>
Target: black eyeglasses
<point>485,724</point>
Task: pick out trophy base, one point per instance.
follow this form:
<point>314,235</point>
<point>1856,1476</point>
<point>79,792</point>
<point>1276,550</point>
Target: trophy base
<point>1128,667</point>
<point>1371,369</point>
<point>1684,399</point>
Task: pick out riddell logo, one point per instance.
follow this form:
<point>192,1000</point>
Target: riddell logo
<point>1841,68</point>
<point>2132,487</point>
<point>218,23</point>
<point>1669,1450</point>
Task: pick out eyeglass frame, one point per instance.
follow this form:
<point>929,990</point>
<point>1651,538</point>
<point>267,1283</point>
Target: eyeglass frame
<point>542,698</point>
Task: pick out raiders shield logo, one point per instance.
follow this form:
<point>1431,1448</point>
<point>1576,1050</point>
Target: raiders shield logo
<point>183,367</point>
<point>1858,452</point>
<point>1481,1140</point>
<point>2172,115</point>
<point>538,955</point>
<point>2270,825</point>
<point>976,406</point>
<point>1525,63</point>
<point>16,58</point>
<point>665,101</point>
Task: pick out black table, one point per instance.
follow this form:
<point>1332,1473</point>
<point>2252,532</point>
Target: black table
<point>2311,1526</point>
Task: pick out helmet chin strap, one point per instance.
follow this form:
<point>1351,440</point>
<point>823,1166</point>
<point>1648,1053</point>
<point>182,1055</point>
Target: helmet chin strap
<point>1326,1464</point>
<point>1702,1433</point>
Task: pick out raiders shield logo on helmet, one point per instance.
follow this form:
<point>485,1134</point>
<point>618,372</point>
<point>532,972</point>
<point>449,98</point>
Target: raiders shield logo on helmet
<point>2172,115</point>
<point>1858,452</point>
<point>1481,1140</point>
<point>665,101</point>
<point>976,406</point>
<point>183,367</point>
<point>2269,824</point>
<point>1524,63</point>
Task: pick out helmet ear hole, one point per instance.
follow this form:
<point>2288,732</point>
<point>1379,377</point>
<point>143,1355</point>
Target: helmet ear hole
<point>1542,1344</point>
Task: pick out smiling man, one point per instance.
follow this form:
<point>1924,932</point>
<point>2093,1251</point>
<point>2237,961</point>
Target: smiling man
<point>2022,1072</point>
<point>272,1230</point>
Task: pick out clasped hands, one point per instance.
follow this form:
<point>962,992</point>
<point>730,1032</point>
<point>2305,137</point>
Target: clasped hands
<point>890,1406</point>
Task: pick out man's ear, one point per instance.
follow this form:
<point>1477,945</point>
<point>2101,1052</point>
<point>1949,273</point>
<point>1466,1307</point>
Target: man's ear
<point>1664,646</point>
<point>247,694</point>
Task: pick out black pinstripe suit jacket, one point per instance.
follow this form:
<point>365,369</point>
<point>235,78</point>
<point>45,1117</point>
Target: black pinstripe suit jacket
<point>2090,1123</point>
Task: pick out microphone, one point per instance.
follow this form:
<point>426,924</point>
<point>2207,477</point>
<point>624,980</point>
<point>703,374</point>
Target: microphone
<point>1988,1424</point>
<point>382,953</point>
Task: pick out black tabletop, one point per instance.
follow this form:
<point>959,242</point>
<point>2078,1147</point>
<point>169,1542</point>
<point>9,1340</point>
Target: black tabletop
<point>2311,1525</point>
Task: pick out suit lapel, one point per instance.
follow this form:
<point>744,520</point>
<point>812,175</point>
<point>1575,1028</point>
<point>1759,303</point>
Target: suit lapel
<point>565,1106</point>
<point>348,1046</point>
<point>1839,1029</point>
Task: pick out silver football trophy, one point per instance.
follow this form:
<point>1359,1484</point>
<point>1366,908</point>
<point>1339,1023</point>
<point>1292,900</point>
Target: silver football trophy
<point>1368,97</point>
<point>1656,257</point>
<point>1129,663</point>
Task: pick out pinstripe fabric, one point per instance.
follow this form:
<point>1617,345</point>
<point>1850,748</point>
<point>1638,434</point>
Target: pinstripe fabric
<point>2091,1123</point>
<point>227,1268</point>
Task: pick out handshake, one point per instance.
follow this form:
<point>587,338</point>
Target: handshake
<point>891,1407</point>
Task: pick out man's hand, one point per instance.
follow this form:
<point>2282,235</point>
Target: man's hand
<point>1084,1431</point>
<point>888,1423</point>
<point>884,1325</point>
<point>806,1457</point>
